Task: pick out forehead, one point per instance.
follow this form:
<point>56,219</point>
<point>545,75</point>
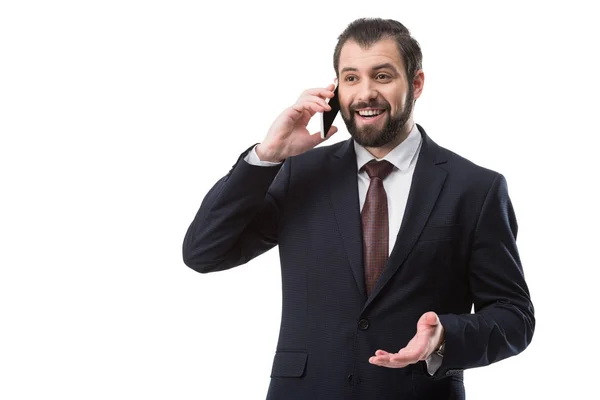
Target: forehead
<point>357,57</point>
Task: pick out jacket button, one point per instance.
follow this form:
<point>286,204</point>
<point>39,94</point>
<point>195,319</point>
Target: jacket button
<point>350,379</point>
<point>363,324</point>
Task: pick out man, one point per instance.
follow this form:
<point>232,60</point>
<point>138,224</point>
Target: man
<point>382,261</point>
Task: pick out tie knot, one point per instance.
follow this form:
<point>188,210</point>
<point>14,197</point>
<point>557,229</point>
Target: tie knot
<point>378,169</point>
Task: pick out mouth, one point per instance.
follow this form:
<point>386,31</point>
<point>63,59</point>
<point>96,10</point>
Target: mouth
<point>369,116</point>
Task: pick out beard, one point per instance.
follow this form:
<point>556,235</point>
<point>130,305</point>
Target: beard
<point>370,136</point>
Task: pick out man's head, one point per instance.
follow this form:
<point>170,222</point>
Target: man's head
<point>378,65</point>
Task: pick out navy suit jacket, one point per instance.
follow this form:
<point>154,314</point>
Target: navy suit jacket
<point>456,249</point>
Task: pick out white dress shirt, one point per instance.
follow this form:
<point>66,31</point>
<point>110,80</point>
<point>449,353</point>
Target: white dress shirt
<point>396,184</point>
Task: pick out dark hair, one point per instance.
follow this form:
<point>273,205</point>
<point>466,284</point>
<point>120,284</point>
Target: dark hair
<point>367,31</point>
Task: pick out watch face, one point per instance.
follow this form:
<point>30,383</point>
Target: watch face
<point>440,351</point>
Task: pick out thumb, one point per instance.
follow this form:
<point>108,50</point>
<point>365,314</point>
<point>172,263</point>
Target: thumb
<point>317,136</point>
<point>429,318</point>
<point>332,130</point>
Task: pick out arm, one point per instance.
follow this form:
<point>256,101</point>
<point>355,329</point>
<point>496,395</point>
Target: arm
<point>237,220</point>
<point>504,321</point>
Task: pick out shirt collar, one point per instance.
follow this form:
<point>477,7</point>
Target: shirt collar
<point>401,156</point>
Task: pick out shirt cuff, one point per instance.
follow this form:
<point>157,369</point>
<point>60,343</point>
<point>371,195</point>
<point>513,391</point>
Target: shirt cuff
<point>252,159</point>
<point>434,361</point>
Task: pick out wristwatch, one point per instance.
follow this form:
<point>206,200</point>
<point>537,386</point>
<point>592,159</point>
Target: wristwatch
<point>440,350</point>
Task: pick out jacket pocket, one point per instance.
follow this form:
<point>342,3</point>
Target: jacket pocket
<point>289,364</point>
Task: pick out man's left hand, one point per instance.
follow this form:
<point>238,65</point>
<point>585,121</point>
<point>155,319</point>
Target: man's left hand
<point>429,336</point>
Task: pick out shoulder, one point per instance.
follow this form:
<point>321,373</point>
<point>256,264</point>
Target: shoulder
<point>458,163</point>
<point>461,170</point>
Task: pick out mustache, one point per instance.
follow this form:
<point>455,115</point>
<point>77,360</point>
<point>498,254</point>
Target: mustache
<point>372,104</point>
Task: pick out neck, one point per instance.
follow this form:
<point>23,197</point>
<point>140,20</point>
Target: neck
<point>380,152</point>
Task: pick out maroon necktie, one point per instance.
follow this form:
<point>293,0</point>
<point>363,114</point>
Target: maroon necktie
<point>375,225</point>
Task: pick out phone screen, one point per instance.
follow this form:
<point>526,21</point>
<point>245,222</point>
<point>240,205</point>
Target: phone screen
<point>329,116</point>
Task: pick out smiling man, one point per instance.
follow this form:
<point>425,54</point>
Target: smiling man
<point>376,93</point>
<point>386,240</point>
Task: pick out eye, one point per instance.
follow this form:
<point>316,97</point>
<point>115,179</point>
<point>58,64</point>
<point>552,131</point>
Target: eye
<point>350,78</point>
<point>382,77</point>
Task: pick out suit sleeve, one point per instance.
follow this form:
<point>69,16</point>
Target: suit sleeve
<point>503,322</point>
<point>237,220</point>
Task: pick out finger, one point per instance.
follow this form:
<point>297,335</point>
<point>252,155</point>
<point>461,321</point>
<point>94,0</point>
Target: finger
<point>392,365</point>
<point>321,93</point>
<point>322,105</point>
<point>325,92</point>
<point>381,352</point>
<point>315,99</point>
<point>380,357</point>
<point>330,133</point>
<point>405,356</point>
<point>382,362</point>
<point>317,136</point>
<point>312,108</point>
<point>429,318</point>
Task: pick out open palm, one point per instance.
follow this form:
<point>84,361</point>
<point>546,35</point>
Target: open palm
<point>429,335</point>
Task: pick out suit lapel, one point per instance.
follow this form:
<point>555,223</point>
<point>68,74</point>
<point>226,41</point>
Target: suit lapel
<point>427,183</point>
<point>343,187</point>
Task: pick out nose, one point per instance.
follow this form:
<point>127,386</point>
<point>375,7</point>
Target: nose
<point>366,91</point>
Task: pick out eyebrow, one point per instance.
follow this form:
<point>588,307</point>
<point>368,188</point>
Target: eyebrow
<point>375,68</point>
<point>384,65</point>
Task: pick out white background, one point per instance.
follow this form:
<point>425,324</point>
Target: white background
<point>116,117</point>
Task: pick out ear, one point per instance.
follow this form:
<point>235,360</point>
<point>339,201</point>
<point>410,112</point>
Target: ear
<point>418,83</point>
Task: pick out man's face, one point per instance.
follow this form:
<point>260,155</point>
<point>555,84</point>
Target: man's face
<point>376,98</point>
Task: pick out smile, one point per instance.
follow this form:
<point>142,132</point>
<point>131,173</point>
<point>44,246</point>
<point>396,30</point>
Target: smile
<point>369,116</point>
<point>370,113</point>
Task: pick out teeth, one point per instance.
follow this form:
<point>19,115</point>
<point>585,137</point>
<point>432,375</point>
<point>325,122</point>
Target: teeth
<point>369,113</point>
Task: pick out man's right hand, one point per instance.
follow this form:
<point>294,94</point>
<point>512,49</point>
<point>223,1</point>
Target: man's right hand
<point>288,135</point>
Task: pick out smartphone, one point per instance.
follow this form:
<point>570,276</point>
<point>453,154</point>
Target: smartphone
<point>327,117</point>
